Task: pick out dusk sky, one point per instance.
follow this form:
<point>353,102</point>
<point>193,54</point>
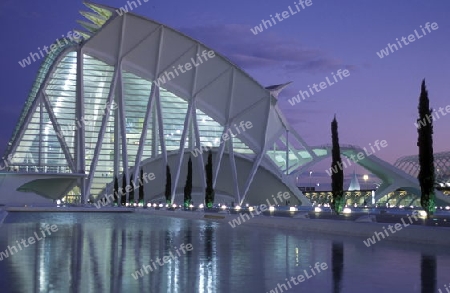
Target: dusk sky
<point>378,101</point>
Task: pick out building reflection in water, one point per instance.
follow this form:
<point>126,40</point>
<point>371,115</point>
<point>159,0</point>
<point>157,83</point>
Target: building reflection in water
<point>100,252</point>
<point>428,273</point>
<point>337,264</point>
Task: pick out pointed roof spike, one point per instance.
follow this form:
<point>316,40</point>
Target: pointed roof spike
<point>92,27</point>
<point>85,35</point>
<point>95,18</point>
<point>354,184</point>
<point>102,10</point>
<point>275,90</point>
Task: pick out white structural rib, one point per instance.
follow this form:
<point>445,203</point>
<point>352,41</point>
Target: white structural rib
<point>143,137</point>
<point>187,120</point>
<point>58,130</point>
<point>198,143</point>
<point>105,119</point>
<point>80,151</point>
<point>237,194</point>
<point>257,160</point>
<point>160,126</point>
<point>122,125</point>
<point>225,128</point>
<point>101,133</point>
<point>37,100</point>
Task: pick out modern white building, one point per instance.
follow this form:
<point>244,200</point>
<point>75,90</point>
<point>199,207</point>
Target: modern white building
<point>136,94</point>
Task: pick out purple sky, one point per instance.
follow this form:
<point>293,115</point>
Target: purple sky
<point>377,101</point>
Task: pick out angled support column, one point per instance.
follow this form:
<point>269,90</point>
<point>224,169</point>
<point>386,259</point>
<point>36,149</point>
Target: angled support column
<point>237,194</point>
<point>36,101</point>
<point>187,121</point>
<point>198,144</point>
<point>161,127</point>
<point>225,129</point>
<point>41,123</point>
<point>59,133</point>
<point>80,153</point>
<point>252,175</point>
<point>155,140</point>
<point>287,152</point>
<point>122,124</point>
<point>294,151</point>
<point>220,155</point>
<point>143,137</point>
<point>305,146</point>
<point>116,139</point>
<point>101,133</point>
<point>158,108</point>
<point>257,160</point>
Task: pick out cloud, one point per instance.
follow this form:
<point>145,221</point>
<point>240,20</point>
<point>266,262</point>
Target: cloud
<point>290,92</point>
<point>265,51</point>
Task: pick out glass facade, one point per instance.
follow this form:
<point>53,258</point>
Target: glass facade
<point>39,148</point>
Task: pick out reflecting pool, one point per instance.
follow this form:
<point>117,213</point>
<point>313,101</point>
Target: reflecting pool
<point>132,252</point>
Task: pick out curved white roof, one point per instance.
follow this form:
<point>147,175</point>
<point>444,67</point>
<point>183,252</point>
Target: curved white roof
<point>173,93</point>
<point>220,88</point>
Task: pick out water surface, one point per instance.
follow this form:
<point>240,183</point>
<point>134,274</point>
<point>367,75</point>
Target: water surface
<point>99,252</point>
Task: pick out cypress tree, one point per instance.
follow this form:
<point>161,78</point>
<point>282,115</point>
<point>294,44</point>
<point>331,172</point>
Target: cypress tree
<point>116,191</point>
<point>209,192</point>
<point>337,178</point>
<point>168,191</point>
<point>124,193</point>
<point>132,190</point>
<point>141,187</point>
<point>188,186</point>
<point>426,159</point>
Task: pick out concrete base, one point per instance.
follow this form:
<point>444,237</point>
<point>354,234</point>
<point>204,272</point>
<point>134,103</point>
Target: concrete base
<point>411,233</point>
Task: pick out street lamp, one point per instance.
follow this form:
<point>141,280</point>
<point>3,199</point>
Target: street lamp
<point>365,177</point>
<point>310,186</point>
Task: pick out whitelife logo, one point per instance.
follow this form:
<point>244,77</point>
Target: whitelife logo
<point>72,36</point>
<point>243,125</point>
<point>411,38</point>
<point>318,268</point>
<point>323,85</point>
<point>359,156</point>
<point>110,197</point>
<point>397,226</point>
<point>11,250</point>
<point>434,116</point>
<point>285,15</point>
<point>165,259</point>
<point>129,6</point>
<point>185,67</point>
<point>245,217</point>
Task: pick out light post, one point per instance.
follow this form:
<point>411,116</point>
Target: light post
<point>365,177</point>
<point>310,186</point>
